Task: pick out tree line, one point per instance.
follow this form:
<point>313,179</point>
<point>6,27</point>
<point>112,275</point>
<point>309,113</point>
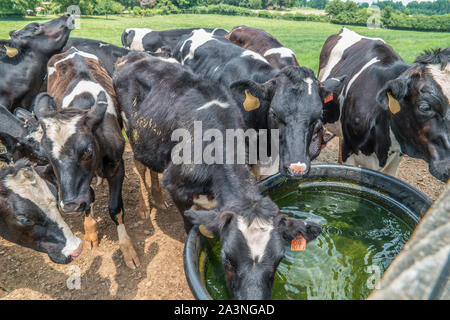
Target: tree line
<point>90,7</point>
<point>425,7</point>
<point>393,15</point>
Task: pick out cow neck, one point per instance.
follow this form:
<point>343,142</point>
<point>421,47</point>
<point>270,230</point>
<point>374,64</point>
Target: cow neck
<point>395,123</point>
<point>234,186</point>
<point>39,69</point>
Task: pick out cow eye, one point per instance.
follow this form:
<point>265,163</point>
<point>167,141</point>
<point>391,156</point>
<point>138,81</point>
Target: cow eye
<point>87,154</point>
<point>229,263</point>
<point>24,221</point>
<point>425,108</point>
<point>274,116</point>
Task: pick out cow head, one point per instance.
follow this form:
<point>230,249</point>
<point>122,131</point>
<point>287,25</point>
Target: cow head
<point>22,134</point>
<point>418,101</point>
<point>133,38</point>
<point>252,248</point>
<point>48,38</point>
<point>29,215</point>
<point>292,102</point>
<point>70,143</point>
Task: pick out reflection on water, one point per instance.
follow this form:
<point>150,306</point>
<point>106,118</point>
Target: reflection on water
<point>357,234</point>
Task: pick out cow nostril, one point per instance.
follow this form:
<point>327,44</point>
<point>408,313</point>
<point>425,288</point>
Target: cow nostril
<point>72,207</point>
<point>67,15</point>
<point>298,169</point>
<point>77,252</point>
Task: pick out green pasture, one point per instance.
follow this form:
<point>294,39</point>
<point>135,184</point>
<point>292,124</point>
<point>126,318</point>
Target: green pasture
<point>303,37</point>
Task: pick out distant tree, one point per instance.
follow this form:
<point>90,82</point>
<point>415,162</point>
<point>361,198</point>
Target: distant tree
<point>17,7</point>
<point>317,4</point>
<point>87,7</point>
<point>363,5</point>
<point>386,16</point>
<point>333,8</point>
<point>105,7</point>
<point>429,8</point>
<point>129,3</point>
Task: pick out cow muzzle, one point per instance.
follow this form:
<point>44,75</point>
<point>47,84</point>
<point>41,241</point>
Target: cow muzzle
<point>73,207</point>
<point>77,252</point>
<point>70,22</point>
<point>440,169</point>
<point>298,169</point>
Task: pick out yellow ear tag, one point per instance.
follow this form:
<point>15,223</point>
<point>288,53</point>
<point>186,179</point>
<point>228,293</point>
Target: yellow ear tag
<point>11,52</point>
<point>205,232</point>
<point>251,102</point>
<point>394,106</point>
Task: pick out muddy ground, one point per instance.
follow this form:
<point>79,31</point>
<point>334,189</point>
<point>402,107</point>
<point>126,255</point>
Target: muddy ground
<point>26,274</point>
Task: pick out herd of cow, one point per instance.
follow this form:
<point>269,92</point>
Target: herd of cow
<point>64,102</point>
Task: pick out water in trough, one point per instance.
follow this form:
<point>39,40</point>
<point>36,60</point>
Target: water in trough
<point>360,239</point>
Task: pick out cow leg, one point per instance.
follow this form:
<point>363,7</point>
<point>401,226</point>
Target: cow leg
<point>183,202</point>
<point>182,207</point>
<point>144,200</point>
<point>116,212</point>
<point>181,196</point>
<point>392,165</point>
<point>156,190</point>
<point>340,151</point>
<point>90,229</point>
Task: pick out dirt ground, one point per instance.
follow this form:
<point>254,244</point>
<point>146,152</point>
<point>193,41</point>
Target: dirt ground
<point>26,274</point>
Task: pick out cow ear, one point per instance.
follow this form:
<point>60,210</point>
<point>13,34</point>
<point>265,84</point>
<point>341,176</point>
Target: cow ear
<point>44,105</point>
<point>333,84</point>
<point>393,91</point>
<point>8,49</point>
<point>97,113</point>
<point>250,94</point>
<point>10,125</point>
<point>24,115</point>
<point>289,228</point>
<point>329,87</point>
<point>210,223</point>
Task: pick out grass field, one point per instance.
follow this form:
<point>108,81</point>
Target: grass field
<point>304,38</point>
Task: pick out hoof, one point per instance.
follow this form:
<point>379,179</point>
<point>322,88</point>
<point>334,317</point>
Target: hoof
<point>90,233</point>
<point>126,246</point>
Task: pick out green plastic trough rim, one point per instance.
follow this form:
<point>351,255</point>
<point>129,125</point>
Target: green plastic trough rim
<point>374,182</point>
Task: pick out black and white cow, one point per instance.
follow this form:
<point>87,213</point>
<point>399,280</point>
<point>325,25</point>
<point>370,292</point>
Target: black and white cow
<point>29,215</point>
<point>289,99</point>
<point>82,138</point>
<point>107,53</point>
<point>143,39</point>
<point>264,43</point>
<point>24,57</point>
<point>386,107</point>
<point>157,98</point>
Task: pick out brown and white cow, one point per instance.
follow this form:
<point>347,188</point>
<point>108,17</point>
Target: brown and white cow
<point>265,44</point>
<point>386,107</point>
<point>82,138</point>
<point>29,215</point>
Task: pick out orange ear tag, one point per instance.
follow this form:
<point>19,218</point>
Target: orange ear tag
<point>328,98</point>
<point>298,243</point>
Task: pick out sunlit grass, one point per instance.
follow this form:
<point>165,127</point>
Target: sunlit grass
<point>304,38</point>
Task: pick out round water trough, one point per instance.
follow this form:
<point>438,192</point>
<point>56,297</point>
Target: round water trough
<point>354,180</point>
